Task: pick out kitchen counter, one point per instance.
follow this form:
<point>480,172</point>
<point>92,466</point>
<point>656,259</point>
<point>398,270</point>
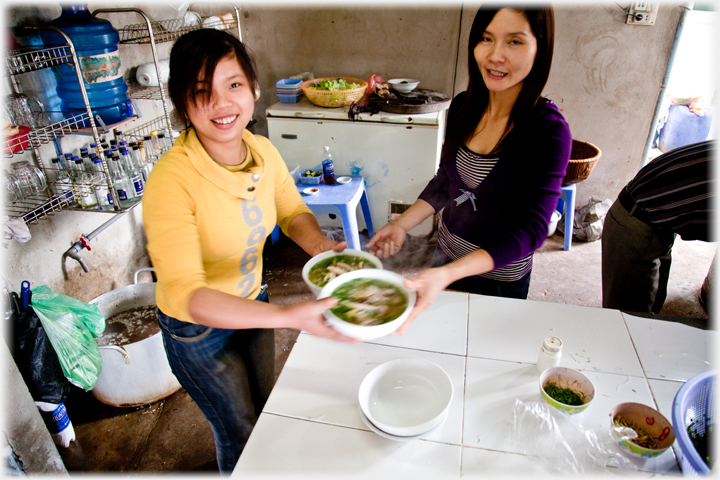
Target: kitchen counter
<point>311,424</point>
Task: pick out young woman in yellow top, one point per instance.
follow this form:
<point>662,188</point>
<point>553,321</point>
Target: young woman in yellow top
<point>208,207</point>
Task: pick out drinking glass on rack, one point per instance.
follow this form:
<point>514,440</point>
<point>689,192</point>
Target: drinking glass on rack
<point>12,186</point>
<point>28,111</point>
<point>30,178</point>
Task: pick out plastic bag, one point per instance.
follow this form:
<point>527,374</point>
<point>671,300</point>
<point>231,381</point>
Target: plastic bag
<point>35,356</point>
<point>553,438</point>
<point>373,82</point>
<point>72,326</point>
<point>589,219</point>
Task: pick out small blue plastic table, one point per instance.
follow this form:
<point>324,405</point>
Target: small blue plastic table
<point>341,199</point>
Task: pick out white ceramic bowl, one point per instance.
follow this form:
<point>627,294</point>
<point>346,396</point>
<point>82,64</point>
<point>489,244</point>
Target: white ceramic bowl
<point>650,420</point>
<point>406,397</point>
<point>348,251</point>
<point>365,333</point>
<point>552,226</point>
<point>404,85</point>
<point>570,378</point>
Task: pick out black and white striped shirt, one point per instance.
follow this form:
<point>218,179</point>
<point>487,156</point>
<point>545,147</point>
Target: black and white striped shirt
<point>473,168</point>
<point>674,191</point>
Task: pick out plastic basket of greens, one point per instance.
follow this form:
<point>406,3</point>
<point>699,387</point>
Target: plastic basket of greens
<point>693,416</point>
<point>334,91</point>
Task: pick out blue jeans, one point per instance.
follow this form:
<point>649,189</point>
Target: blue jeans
<point>228,373</point>
<point>483,286</point>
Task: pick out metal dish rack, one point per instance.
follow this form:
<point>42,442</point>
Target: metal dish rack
<point>29,59</point>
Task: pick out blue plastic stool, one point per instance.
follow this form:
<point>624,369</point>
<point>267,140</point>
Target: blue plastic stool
<point>342,200</point>
<point>566,205</point>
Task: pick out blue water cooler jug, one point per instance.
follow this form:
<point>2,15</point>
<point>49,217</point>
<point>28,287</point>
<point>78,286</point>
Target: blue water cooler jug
<point>96,45</point>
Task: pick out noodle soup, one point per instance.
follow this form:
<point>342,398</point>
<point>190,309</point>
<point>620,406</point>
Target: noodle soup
<point>369,301</point>
<point>325,270</point>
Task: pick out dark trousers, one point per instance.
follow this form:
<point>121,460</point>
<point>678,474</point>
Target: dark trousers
<point>636,259</point>
<point>228,373</point>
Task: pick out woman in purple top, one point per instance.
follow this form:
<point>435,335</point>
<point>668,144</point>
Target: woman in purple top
<point>503,160</point>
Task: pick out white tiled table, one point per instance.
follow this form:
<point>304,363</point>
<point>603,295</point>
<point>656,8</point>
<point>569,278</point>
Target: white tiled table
<point>311,424</point>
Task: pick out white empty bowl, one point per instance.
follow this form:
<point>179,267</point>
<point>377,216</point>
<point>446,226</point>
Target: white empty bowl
<point>348,251</point>
<point>552,226</point>
<point>406,397</point>
<point>404,85</point>
<point>366,333</point>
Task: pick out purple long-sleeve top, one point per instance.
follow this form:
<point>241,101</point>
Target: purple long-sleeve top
<point>515,201</point>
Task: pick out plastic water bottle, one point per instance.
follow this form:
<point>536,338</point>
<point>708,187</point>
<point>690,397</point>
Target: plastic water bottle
<point>96,44</point>
<point>550,354</point>
<point>328,167</point>
<point>58,423</point>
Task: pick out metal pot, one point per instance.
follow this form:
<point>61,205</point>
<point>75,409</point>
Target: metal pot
<point>137,373</point>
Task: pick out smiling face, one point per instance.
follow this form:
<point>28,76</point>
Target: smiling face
<point>506,52</point>
<point>221,115</point>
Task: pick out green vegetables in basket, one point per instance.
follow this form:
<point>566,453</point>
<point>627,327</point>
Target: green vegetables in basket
<point>700,442</point>
<point>312,173</point>
<point>565,396</point>
<point>333,85</point>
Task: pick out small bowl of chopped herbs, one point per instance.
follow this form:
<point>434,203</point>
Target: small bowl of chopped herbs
<point>567,389</point>
<point>641,431</point>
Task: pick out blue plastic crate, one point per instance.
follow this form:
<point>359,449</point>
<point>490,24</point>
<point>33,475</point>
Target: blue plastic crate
<point>694,406</point>
<point>288,83</point>
<point>289,98</point>
<point>310,180</point>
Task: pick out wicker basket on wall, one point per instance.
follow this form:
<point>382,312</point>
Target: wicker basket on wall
<point>583,158</point>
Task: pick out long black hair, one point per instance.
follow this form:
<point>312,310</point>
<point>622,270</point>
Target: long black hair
<point>462,124</point>
<point>195,55</point>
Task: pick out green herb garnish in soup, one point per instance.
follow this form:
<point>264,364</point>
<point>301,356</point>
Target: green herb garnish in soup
<point>325,270</point>
<point>368,301</point>
<point>565,396</point>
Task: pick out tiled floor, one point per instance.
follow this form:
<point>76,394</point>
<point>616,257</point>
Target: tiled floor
<point>172,435</point>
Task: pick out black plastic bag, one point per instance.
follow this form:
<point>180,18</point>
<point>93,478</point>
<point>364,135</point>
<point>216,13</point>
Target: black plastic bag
<point>35,356</point>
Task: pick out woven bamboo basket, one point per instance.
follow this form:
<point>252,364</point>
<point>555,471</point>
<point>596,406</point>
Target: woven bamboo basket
<point>583,158</point>
<point>334,98</point>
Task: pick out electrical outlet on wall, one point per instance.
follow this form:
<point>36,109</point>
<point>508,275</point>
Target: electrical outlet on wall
<point>641,13</point>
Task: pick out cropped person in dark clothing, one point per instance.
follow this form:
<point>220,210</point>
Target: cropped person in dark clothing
<point>672,195</point>
<point>503,160</point>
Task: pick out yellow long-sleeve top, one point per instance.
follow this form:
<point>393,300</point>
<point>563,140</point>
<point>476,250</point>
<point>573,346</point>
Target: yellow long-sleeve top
<point>206,224</point>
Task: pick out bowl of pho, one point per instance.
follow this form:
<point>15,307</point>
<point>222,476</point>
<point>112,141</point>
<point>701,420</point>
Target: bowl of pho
<point>322,268</point>
<point>371,303</point>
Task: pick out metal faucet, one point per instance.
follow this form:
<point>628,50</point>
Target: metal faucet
<point>84,242</point>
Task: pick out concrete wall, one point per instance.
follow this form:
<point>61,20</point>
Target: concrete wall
<point>606,78</point>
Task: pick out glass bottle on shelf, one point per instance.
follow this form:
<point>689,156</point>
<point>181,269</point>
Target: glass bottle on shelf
<point>119,179</point>
<point>143,166</point>
<point>151,155</point>
<point>85,194</point>
<point>156,143</point>
<point>133,173</point>
<point>63,184</point>
<point>102,192</point>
